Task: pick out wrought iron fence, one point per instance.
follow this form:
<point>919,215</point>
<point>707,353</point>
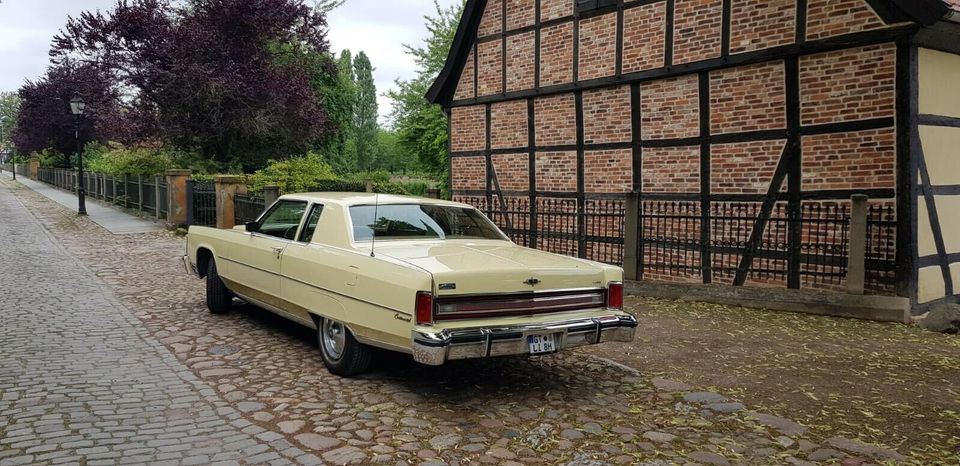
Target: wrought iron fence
<point>202,203</point>
<point>247,208</point>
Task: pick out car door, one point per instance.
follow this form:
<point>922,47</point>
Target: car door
<point>257,256</point>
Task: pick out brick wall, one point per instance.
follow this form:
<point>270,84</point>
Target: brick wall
<point>608,171</point>
<point>598,47</point>
<point>671,170</point>
<point>851,84</point>
<point>469,173</point>
<point>606,115</point>
<point>670,108</point>
<point>858,160</point>
<point>696,30</point>
<point>557,171</point>
<point>521,13</point>
<point>508,124</point>
<point>492,20</point>
<point>762,24</point>
<point>556,120</point>
<point>556,54</point>
<point>466,88</point>
<point>490,68</point>
<point>468,128</point>
<point>553,9</point>
<point>828,18</point>
<point>513,171</point>
<point>748,98</point>
<point>643,37</point>
<point>521,54</point>
<point>746,167</point>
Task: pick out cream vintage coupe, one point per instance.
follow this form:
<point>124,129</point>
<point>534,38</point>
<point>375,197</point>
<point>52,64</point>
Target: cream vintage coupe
<point>434,279</point>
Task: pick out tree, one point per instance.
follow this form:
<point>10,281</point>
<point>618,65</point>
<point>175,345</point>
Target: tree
<point>9,107</point>
<point>233,79</point>
<point>45,120</point>
<point>365,113</point>
<point>421,127</point>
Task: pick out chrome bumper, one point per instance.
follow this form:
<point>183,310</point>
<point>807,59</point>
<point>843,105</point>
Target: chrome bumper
<point>436,348</point>
<point>189,267</point>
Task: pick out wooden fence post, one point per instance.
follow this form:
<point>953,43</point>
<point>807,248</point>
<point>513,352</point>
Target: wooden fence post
<point>856,262</point>
<point>631,236</point>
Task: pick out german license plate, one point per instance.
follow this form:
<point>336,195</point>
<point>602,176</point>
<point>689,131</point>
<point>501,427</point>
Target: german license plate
<point>540,344</point>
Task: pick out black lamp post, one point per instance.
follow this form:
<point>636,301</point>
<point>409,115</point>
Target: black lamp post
<point>77,106</point>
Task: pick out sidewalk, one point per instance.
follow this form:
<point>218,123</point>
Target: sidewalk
<point>112,219</point>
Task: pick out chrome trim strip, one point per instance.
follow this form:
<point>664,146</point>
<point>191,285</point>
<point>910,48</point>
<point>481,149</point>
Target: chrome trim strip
<point>275,310</point>
<point>513,293</point>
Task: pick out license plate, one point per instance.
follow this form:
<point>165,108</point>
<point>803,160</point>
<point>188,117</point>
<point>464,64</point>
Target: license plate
<point>540,344</point>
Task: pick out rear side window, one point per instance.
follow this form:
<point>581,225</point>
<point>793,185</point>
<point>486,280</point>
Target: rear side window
<point>310,227</point>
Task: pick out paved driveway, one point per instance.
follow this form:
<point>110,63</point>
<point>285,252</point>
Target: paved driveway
<point>151,374</point>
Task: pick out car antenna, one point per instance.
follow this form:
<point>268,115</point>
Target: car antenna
<point>376,206</point>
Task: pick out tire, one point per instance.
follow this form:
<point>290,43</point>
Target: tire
<point>342,353</point>
<point>219,298</point>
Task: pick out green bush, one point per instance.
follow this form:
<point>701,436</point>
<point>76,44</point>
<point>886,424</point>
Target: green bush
<point>50,158</point>
<point>118,160</point>
<point>298,174</point>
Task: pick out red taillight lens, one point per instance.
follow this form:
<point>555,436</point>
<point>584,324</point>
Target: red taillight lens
<point>615,295</point>
<point>424,308</point>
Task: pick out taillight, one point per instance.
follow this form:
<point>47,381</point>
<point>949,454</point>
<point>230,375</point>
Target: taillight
<point>615,295</point>
<point>424,308</point>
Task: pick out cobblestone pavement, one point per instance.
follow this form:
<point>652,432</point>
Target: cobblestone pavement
<point>565,409</point>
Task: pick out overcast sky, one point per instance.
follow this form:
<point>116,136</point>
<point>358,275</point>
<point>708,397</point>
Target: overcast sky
<point>378,27</point>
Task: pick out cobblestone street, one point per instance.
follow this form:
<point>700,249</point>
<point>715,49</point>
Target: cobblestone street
<point>107,354</point>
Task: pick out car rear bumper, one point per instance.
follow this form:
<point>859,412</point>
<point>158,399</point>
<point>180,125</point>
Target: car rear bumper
<point>436,348</point>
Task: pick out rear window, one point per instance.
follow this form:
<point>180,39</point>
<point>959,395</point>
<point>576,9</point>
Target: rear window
<point>416,221</point>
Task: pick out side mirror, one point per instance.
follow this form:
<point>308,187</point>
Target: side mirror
<point>252,227</point>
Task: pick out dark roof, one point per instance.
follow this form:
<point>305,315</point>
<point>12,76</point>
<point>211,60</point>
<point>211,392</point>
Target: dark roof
<point>924,12</point>
<point>441,92</point>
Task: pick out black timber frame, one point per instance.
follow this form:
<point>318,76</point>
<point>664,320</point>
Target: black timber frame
<point>905,36</point>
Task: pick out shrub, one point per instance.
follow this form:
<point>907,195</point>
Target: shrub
<point>294,175</point>
<point>50,158</point>
<point>118,160</point>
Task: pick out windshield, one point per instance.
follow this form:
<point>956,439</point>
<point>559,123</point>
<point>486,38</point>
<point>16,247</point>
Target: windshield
<point>416,221</point>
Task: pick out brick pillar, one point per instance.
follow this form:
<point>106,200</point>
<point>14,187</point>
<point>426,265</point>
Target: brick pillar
<point>433,193</point>
<point>177,196</point>
<point>270,194</point>
<point>34,167</point>
<point>369,185</point>
<point>227,187</point>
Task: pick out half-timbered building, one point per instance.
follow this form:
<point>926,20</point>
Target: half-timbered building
<point>733,132</point>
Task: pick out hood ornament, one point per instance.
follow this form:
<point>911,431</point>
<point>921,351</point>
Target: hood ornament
<point>532,281</point>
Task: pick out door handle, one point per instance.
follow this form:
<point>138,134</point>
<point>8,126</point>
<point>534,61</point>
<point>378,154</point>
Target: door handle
<point>277,250</point>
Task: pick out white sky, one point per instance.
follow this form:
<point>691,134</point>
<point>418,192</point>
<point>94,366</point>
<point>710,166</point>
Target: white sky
<point>378,27</point>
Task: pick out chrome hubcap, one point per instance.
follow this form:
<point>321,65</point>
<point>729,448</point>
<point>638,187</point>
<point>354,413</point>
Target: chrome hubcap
<point>333,338</point>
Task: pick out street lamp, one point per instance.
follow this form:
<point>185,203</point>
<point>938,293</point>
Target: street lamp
<point>77,106</point>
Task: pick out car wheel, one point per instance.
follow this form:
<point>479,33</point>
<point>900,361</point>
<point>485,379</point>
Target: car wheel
<point>219,298</point>
<point>342,353</point>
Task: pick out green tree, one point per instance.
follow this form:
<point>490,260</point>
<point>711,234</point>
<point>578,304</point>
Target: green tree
<point>420,126</point>
<point>365,113</point>
<point>9,108</point>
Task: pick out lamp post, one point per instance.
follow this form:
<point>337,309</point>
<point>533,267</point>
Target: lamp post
<point>77,106</point>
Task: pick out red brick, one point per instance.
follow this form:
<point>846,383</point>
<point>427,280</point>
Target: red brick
<point>744,168</point>
<point>492,20</point>
<point>608,171</point>
<point>762,24</point>
<point>469,173</point>
<point>513,171</point>
<point>671,108</point>
<point>553,9</point>
<point>521,13</point>
<point>606,115</point>
<point>846,85</point>
<point>468,128</point>
<point>556,120</point>
<point>490,66</point>
<point>643,37</point>
<point>857,160</point>
<point>671,170</point>
<point>508,124</point>
<point>466,88</point>
<point>598,47</point>
<point>748,98</point>
<point>557,171</point>
<point>697,30</point>
<point>521,62</point>
<point>556,54</point>
<point>829,18</point>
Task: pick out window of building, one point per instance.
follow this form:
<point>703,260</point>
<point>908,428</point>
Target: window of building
<point>585,6</point>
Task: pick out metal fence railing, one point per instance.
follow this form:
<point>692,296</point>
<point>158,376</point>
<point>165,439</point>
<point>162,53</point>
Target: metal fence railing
<point>145,194</point>
<point>201,204</point>
<point>247,208</point>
